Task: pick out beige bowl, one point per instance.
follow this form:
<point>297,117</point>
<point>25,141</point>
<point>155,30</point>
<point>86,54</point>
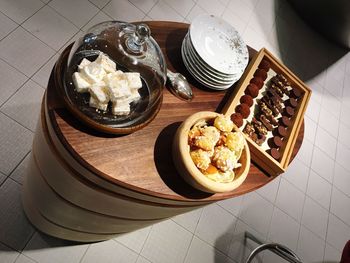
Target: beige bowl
<point>188,170</point>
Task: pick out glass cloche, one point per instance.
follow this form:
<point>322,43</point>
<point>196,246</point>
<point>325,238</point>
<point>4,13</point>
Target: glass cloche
<point>114,76</point>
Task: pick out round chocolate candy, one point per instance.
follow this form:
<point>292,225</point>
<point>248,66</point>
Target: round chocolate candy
<point>247,99</point>
<point>259,82</point>
<point>265,65</point>
<point>282,131</point>
<point>275,153</point>
<point>260,73</point>
<point>289,111</point>
<point>244,110</point>
<point>292,102</point>
<point>237,119</point>
<point>275,142</point>
<point>252,90</point>
<point>295,93</point>
<point>285,121</point>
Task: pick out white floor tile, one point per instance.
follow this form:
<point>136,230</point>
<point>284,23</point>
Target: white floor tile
<point>11,79</point>
<point>233,205</point>
<point>297,173</point>
<point>7,25</point>
<point>24,51</point>
<point>317,90</point>
<point>344,137</point>
<point>100,3</point>
<point>313,110</point>
<point>42,75</point>
<point>240,247</point>
<point>326,142</point>
<point>331,254</point>
<point>24,105</point>
<point>319,190</point>
<point>322,164</point>
<point>23,259</point>
<point>242,10</point>
<point>160,248</point>
<point>189,220</point>
<point>291,206</point>
<point>195,11</point>
<point>315,218</point>
<point>70,9</point>
<point>20,10</point>
<point>269,191</point>
<point>20,171</point>
<point>345,113</point>
<point>340,205</point>
<point>235,21</point>
<point>134,240</point>
<point>329,122</point>
<point>55,31</point>
<point>334,86</point>
<point>182,7</point>
<point>305,152</point>
<point>212,7</point>
<point>144,5</point>
<point>310,246</point>
<point>256,212</point>
<point>7,255</point>
<point>310,129</point>
<point>141,259</point>
<point>284,229</point>
<point>15,143</point>
<point>201,252</point>
<point>338,233</point>
<point>123,10</point>
<point>163,12</point>
<point>341,179</point>
<point>15,229</point>
<point>343,154</point>
<point>220,235</point>
<point>53,249</point>
<point>331,104</point>
<point>109,252</point>
<point>99,18</point>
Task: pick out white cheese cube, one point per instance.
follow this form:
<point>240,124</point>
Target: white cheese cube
<point>117,86</point>
<point>93,72</point>
<point>83,63</point>
<point>107,64</point>
<point>99,93</point>
<point>120,108</point>
<point>96,104</point>
<point>134,80</point>
<point>80,84</point>
<point>135,96</point>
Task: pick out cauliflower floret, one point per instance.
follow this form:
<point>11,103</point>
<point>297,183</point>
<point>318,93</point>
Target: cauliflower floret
<point>200,158</point>
<point>224,158</point>
<point>235,142</point>
<point>211,132</point>
<point>223,123</point>
<point>204,142</point>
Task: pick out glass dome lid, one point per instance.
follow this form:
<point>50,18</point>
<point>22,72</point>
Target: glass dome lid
<point>114,76</point>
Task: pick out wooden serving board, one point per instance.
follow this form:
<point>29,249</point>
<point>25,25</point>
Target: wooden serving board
<point>141,162</point>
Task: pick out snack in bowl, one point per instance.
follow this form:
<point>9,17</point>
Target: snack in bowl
<point>211,153</point>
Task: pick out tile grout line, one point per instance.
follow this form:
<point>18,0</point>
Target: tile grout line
<point>84,254</point>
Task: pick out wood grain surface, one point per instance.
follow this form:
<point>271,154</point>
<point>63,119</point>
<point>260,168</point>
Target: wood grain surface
<point>142,161</point>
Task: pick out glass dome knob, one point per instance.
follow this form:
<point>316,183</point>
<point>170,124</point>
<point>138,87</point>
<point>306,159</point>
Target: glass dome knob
<point>136,41</point>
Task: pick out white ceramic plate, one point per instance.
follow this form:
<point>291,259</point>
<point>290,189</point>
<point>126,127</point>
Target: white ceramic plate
<point>219,44</point>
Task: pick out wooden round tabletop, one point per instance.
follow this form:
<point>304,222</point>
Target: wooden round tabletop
<point>142,161</point>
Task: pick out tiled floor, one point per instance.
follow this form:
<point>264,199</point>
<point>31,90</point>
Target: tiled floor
<point>306,209</point>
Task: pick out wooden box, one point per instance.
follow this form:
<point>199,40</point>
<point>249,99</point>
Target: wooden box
<point>261,154</point>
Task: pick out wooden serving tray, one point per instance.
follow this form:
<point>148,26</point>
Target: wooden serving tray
<point>260,155</point>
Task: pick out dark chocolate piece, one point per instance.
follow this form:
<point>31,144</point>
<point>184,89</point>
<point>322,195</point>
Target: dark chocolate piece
<point>274,94</point>
<point>270,104</point>
<point>252,90</point>
<point>247,99</point>
<point>237,119</point>
<point>265,65</point>
<point>285,121</point>
<point>260,73</point>
<point>282,131</point>
<point>275,142</point>
<point>292,102</point>
<point>257,81</point>
<point>244,110</point>
<point>266,122</point>
<point>259,127</point>
<point>289,111</point>
<point>275,153</point>
<point>295,93</point>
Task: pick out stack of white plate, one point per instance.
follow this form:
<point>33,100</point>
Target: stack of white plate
<point>214,53</point>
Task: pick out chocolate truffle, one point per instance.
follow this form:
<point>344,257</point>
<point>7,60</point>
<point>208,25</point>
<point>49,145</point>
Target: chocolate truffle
<point>289,111</point>
<point>237,119</point>
<point>265,65</point>
<point>257,81</point>
<point>282,131</point>
<point>292,102</point>
<point>246,99</point>
<point>275,153</point>
<point>243,109</point>
<point>285,121</point>
<point>295,93</point>
<point>260,73</point>
<point>252,90</point>
<point>275,142</point>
